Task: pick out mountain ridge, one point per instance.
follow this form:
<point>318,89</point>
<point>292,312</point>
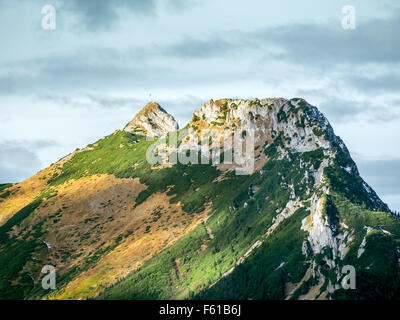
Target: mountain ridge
<point>119,227</point>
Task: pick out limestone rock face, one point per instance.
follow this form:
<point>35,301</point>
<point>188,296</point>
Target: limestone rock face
<point>291,125</point>
<point>302,126</point>
<point>152,121</point>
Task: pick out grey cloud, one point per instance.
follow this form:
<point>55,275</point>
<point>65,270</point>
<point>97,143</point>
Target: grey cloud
<point>341,110</point>
<point>388,82</point>
<point>89,100</point>
<point>310,44</point>
<point>111,102</point>
<point>179,5</point>
<point>17,162</point>
<point>100,14</point>
<point>38,144</point>
<point>88,71</point>
<point>372,41</point>
<point>319,49</point>
<point>66,73</point>
<point>96,15</point>
<point>182,108</point>
<point>29,144</point>
<point>197,48</point>
<point>382,175</point>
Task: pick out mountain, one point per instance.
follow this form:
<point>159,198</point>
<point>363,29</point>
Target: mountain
<point>152,121</point>
<point>284,223</point>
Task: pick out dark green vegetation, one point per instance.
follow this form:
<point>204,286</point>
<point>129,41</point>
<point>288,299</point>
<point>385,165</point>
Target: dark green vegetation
<point>240,217</point>
<point>239,214</point>
<point>4,186</point>
<point>377,270</point>
<point>15,252</point>
<point>262,276</point>
<point>352,185</point>
<point>4,193</point>
<point>22,214</point>
<point>121,161</point>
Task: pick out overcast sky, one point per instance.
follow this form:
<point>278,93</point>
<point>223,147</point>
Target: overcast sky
<point>64,88</point>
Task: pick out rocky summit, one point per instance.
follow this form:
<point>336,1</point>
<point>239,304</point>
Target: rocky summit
<point>152,121</point>
<point>301,224</point>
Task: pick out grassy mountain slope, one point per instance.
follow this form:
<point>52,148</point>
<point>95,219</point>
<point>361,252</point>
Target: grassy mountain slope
<point>116,227</point>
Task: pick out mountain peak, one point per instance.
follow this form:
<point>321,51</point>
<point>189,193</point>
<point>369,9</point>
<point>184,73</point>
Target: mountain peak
<point>303,123</point>
<point>152,121</point>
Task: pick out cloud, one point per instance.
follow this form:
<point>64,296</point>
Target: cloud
<point>375,84</point>
<point>101,14</point>
<point>320,49</point>
<point>383,176</point>
<point>19,158</point>
<point>98,15</point>
<point>343,110</point>
<point>179,5</point>
<point>182,108</point>
<point>373,40</point>
<point>17,162</point>
<point>316,45</point>
<point>90,101</point>
<point>83,71</point>
<point>88,70</point>
<point>197,48</point>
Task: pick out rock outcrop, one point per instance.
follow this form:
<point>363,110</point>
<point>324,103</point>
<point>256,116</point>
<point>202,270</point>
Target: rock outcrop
<point>152,121</point>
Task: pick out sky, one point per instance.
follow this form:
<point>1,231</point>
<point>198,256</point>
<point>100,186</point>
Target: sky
<point>67,87</point>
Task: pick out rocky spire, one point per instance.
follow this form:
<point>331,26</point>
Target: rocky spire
<point>152,121</point>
